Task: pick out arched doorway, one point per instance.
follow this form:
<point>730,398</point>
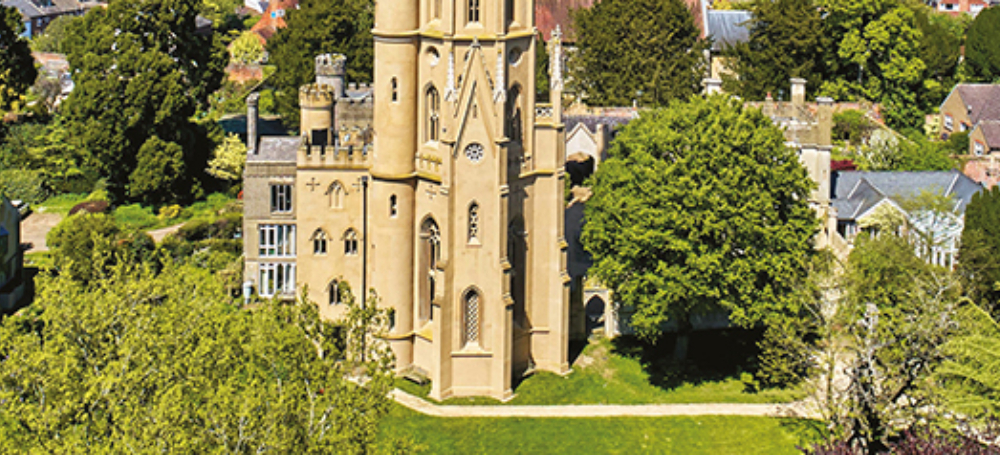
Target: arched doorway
<point>594,310</point>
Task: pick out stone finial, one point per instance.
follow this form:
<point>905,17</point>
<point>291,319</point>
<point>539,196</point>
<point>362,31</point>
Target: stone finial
<point>555,60</point>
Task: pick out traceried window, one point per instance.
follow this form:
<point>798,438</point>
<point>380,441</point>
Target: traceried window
<point>429,255</point>
<point>281,198</point>
<point>336,193</point>
<point>276,279</point>
<point>319,242</point>
<point>433,114</point>
<point>334,291</point>
<point>473,11</point>
<point>474,223</point>
<point>351,242</point>
<point>475,152</point>
<point>471,310</point>
<point>276,240</point>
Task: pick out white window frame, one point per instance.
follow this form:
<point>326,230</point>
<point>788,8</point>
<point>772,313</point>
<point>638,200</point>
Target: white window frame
<point>281,198</point>
<point>977,148</point>
<point>276,278</point>
<point>276,240</point>
<point>949,123</point>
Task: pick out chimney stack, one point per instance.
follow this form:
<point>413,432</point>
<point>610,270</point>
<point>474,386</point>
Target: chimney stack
<point>252,117</point>
<point>798,91</point>
<point>824,122</point>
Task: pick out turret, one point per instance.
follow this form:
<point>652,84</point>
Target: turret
<point>316,118</point>
<point>331,71</point>
<point>396,52</point>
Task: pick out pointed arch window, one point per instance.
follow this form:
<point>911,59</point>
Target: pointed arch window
<point>433,114</point>
<point>319,239</point>
<point>473,11</point>
<point>395,90</point>
<point>337,194</point>
<point>351,243</point>
<point>474,223</point>
<point>393,208</point>
<point>471,312</point>
<point>429,255</point>
<point>334,292</point>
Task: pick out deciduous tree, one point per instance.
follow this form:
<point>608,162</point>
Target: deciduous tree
<point>644,50</point>
<point>701,207</point>
<point>783,44</point>
<point>982,50</point>
<point>141,73</point>
<point>17,67</point>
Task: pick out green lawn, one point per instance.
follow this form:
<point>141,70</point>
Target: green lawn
<point>604,375</point>
<point>139,217</point>
<point>628,435</point>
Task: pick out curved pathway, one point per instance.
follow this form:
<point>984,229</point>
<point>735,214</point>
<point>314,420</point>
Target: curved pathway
<point>796,410</point>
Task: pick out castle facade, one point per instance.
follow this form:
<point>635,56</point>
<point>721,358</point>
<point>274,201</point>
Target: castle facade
<point>440,186</point>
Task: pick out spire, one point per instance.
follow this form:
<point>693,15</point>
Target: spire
<point>555,59</point>
<point>449,90</point>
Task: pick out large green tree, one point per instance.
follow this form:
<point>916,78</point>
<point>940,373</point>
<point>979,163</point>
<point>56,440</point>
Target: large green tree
<point>17,66</point>
<point>783,44</point>
<point>320,27</point>
<point>701,207</point>
<point>645,50</point>
<point>979,251</point>
<point>982,49</point>
<point>169,363</point>
<point>875,55</point>
<point>141,73</point>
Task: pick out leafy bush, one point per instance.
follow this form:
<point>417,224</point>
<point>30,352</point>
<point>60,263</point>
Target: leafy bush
<point>82,245</point>
<point>136,216</point>
<point>266,102</point>
<point>169,212</point>
<point>851,125</point>
<point>25,185</point>
<point>90,207</point>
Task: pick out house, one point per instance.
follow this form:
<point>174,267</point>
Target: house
<point>957,7</point>
<point>726,28</point>
<point>860,198</point>
<point>37,14</point>
<point>967,105</point>
<point>273,19</point>
<point>11,256</point>
<point>975,109</point>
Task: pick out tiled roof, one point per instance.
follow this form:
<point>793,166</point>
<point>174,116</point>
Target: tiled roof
<point>273,18</point>
<point>592,121</point>
<point>728,27</point>
<point>277,149</point>
<point>991,131</point>
<point>982,99</point>
<point>33,9</point>
<point>857,192</point>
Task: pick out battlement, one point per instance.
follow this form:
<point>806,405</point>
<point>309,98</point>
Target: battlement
<point>334,157</point>
<point>316,96</point>
<point>331,65</point>
<point>363,86</point>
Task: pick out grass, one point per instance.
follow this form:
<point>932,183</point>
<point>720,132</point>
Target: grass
<point>62,203</point>
<point>626,435</point>
<point>41,260</point>
<point>617,372</point>
<point>139,217</point>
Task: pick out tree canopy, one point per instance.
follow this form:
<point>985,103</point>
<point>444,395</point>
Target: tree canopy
<point>783,44</point>
<point>17,66</point>
<point>645,50</point>
<point>168,363</point>
<point>701,207</point>
<point>319,27</point>
<point>141,73</point>
<point>982,49</point>
<point>979,251</point>
<point>54,36</point>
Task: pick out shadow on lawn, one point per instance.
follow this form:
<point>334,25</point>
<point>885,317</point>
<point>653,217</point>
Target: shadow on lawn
<point>713,355</point>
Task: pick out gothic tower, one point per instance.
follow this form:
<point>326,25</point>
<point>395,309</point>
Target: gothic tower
<point>466,195</point>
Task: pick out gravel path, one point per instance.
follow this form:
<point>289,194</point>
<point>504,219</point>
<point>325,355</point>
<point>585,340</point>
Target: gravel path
<point>159,234</point>
<point>422,406</point>
<point>35,227</point>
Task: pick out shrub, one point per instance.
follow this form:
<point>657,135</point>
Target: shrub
<point>851,125</point>
<point>135,216</point>
<point>83,245</point>
<point>29,186</point>
<point>89,207</point>
<point>170,212</point>
<point>195,230</point>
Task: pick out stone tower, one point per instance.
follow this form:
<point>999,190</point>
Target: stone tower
<point>466,195</point>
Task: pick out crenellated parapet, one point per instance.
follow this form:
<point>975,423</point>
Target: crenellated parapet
<point>316,96</point>
<point>330,157</point>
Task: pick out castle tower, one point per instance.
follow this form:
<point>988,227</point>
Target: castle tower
<point>466,195</point>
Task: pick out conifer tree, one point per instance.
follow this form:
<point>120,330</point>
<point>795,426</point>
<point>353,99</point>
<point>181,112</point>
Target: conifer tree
<point>982,49</point>
<point>637,50</point>
<point>979,252</point>
<point>17,67</point>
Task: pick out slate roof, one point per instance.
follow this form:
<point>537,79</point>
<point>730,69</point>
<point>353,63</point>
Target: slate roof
<point>592,121</point>
<point>991,131</point>
<point>277,149</point>
<point>856,192</point>
<point>983,99</point>
<point>32,9</point>
<point>727,27</point>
